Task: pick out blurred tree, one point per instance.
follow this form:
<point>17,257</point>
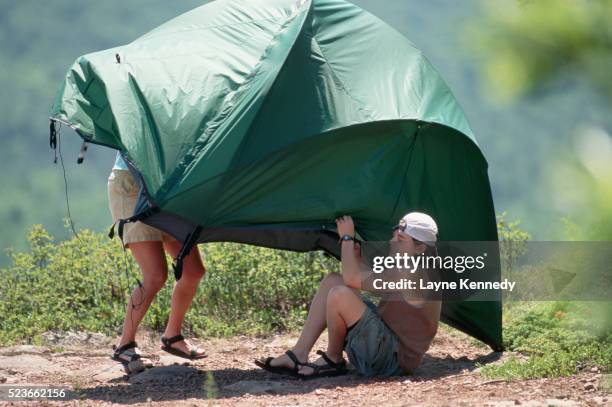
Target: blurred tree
<point>533,44</point>
<point>529,44</point>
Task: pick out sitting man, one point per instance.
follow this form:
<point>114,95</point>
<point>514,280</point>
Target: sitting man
<point>387,340</point>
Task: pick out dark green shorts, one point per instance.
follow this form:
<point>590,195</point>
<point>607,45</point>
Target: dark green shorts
<point>372,346</point>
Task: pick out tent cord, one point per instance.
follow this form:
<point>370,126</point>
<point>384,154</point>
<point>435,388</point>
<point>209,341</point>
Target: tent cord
<point>59,148</point>
<point>71,223</point>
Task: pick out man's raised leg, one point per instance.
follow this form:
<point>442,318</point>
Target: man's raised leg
<point>315,322</point>
<point>344,308</point>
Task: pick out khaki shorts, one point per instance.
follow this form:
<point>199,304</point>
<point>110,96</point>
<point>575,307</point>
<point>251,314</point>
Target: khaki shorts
<point>122,195</point>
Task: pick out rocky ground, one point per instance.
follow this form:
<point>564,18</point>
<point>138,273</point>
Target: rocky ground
<point>448,376</point>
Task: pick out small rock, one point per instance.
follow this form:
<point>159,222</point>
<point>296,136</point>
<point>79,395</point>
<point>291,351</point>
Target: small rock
<point>105,374</point>
<point>595,369</point>
<point>2,379</point>
<point>407,381</point>
<point>71,338</point>
<point>167,359</point>
<point>589,386</point>
<point>25,363</point>
<point>135,366</point>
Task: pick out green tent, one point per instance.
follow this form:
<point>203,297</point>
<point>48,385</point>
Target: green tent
<point>260,121</point>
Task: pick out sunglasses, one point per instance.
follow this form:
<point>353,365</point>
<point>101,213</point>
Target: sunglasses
<point>401,227</point>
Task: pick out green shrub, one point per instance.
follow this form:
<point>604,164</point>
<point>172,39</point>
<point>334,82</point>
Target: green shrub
<point>558,338</point>
<point>513,241</point>
<point>83,284</point>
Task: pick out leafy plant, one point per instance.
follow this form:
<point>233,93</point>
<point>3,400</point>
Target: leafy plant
<point>513,241</point>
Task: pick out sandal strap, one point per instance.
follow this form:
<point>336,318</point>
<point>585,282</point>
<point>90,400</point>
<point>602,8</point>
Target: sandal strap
<point>127,350</point>
<point>125,347</point>
<point>335,365</point>
<point>133,357</point>
<point>174,339</point>
<point>295,360</point>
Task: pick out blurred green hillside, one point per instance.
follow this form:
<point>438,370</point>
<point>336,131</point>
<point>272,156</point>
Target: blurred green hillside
<point>521,138</point>
<point>38,42</point>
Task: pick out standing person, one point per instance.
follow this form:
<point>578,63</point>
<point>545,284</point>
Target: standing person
<point>148,246</point>
<point>387,340</point>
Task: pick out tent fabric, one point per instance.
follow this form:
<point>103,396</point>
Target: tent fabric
<point>261,121</point>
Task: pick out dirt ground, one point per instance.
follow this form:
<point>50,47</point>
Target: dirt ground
<point>448,376</point>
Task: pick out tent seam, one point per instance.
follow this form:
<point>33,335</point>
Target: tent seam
<point>362,105</point>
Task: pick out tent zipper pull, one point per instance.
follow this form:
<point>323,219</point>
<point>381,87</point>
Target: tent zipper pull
<point>190,241</point>
<point>82,153</point>
<point>53,139</point>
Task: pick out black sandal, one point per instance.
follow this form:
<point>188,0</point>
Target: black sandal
<point>124,350</point>
<point>330,369</point>
<point>192,355</point>
<point>284,370</point>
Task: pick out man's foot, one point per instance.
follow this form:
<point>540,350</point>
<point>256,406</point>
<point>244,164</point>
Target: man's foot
<point>288,364</point>
<point>325,366</point>
<point>178,346</point>
<point>129,356</point>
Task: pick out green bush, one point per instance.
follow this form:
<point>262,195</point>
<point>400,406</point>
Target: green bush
<point>558,338</point>
<point>513,241</point>
<point>83,284</point>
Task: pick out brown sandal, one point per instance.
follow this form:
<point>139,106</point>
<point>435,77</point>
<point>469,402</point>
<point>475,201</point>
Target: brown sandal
<point>284,370</point>
<point>127,356</point>
<point>330,369</point>
<point>192,355</point>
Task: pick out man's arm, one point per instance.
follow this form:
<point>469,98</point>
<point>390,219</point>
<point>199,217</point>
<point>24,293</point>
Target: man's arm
<point>356,274</point>
<point>350,260</point>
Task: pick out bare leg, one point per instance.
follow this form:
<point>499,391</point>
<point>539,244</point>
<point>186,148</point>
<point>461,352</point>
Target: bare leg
<point>152,261</point>
<point>183,293</point>
<point>344,308</point>
<point>315,322</point>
